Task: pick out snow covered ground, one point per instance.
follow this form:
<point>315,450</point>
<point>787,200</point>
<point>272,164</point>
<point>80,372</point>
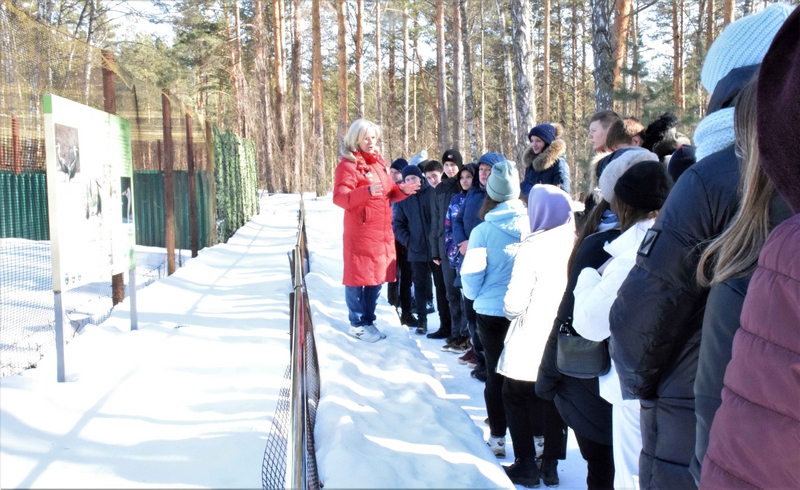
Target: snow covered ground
<point>188,399</point>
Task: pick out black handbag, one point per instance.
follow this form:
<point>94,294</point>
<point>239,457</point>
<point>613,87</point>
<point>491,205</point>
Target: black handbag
<point>579,357</point>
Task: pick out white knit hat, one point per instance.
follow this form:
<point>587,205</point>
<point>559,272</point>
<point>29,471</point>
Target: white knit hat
<point>619,165</point>
<point>743,43</point>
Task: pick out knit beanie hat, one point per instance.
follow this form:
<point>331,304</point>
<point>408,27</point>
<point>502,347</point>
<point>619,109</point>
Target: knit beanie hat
<point>682,159</point>
<point>399,164</point>
<point>618,166</point>
<point>742,43</point>
<point>545,132</point>
<point>412,170</point>
<point>491,158</point>
<point>778,106</point>
<point>548,207</point>
<point>453,155</point>
<point>645,186</point>
<point>418,158</point>
<point>503,182</point>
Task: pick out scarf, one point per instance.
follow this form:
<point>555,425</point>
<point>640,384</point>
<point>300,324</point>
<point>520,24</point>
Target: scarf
<point>714,133</point>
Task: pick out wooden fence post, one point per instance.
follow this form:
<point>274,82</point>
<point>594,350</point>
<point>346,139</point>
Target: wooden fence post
<point>16,158</point>
<point>169,190</point>
<point>213,193</point>
<point>193,243</point>
<point>110,106</point>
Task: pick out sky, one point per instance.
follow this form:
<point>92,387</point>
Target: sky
<point>187,400</point>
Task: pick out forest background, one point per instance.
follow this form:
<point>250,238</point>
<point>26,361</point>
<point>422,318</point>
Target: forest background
<point>475,75</point>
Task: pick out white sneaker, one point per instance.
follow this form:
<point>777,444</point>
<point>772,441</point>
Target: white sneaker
<point>363,333</point>
<point>497,445</point>
<point>374,330</point>
<point>538,442</point>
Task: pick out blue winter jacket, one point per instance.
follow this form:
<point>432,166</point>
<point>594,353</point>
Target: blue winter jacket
<point>486,270</point>
<point>468,218</point>
<point>411,223</point>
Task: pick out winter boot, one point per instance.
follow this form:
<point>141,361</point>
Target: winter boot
<point>550,472</point>
<point>439,334</point>
<point>497,445</point>
<point>523,472</point>
<point>422,328</point>
<point>408,319</point>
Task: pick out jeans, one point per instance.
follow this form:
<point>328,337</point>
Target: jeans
<point>361,302</point>
<point>422,275</point>
<point>492,331</point>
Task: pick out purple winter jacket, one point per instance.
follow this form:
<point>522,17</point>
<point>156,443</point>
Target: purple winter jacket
<point>755,437</point>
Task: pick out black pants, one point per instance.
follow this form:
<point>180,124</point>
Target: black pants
<point>492,331</point>
<point>399,292</point>
<point>528,416</point>
<point>421,272</point>
<point>442,304</point>
<point>458,323</point>
<point>599,461</point>
<point>472,325</point>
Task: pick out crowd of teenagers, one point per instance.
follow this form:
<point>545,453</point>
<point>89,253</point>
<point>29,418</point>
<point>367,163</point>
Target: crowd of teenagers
<point>661,322</point>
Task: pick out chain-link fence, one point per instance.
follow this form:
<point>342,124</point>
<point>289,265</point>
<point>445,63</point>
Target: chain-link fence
<point>36,59</point>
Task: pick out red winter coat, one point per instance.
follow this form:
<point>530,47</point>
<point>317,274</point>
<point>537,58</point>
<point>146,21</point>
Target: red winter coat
<point>369,253</point>
<point>755,437</point>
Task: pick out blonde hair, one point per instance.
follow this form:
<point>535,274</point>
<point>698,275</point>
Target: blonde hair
<point>735,252</point>
<point>358,129</point>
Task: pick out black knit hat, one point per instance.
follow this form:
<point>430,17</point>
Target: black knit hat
<point>454,156</point>
<point>412,170</point>
<point>682,159</point>
<point>399,164</point>
<point>645,185</point>
<point>778,106</point>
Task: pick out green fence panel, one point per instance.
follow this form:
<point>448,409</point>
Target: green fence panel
<point>23,206</point>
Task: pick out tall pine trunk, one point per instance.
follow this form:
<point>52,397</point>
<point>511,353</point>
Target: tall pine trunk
<point>406,74</point>
<point>264,138</point>
<point>458,85</point>
<point>622,17</point>
<point>603,51</point>
<point>359,60</point>
<point>318,140</point>
<point>509,76</point>
<point>441,71</point>
<point>298,141</point>
<point>379,69</point>
<point>523,78</point>
<point>469,95</point>
<point>545,62</point>
<point>341,14</point>
<point>677,56</point>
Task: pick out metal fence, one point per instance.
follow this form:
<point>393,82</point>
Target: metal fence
<point>289,458</point>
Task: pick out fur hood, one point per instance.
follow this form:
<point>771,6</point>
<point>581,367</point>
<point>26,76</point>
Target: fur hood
<point>547,158</point>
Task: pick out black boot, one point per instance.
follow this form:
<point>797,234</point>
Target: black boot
<point>523,472</point>
<point>439,334</point>
<point>422,328</point>
<point>550,472</point>
<point>408,319</point>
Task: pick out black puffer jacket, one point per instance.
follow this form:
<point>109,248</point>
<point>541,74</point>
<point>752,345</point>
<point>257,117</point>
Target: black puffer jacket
<point>443,193</point>
<point>578,400</point>
<point>657,318</point>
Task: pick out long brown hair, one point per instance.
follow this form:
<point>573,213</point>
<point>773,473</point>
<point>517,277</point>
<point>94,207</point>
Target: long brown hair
<point>735,252</point>
<point>590,226</point>
<point>629,215</point>
<point>488,205</point>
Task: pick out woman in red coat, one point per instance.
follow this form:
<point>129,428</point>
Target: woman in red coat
<point>365,189</point>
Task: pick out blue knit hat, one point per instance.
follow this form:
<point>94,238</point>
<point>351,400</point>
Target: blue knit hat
<point>503,182</point>
<point>399,164</point>
<point>412,170</point>
<point>743,43</point>
<point>491,158</point>
<point>420,157</point>
<point>545,132</point>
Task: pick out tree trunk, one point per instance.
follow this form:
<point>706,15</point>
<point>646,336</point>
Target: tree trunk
<point>709,23</point>
<point>379,69</point>
<point>483,82</point>
<point>677,53</point>
<point>264,140</point>
<point>637,67</point>
<point>318,141</point>
<point>441,71</point>
<point>280,84</point>
<point>727,16</point>
<point>509,76</point>
<point>523,78</point>
<point>545,62</point>
<point>299,139</point>
<point>392,84</point>
<point>406,74</point>
<point>622,17</point>
<point>359,60</point>
<point>562,92</point>
<point>603,51</point>
<point>469,95</point>
<point>458,85</point>
<point>239,80</point>
<point>341,15</point>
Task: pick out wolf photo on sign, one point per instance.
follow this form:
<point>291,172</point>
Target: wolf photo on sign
<point>68,160</point>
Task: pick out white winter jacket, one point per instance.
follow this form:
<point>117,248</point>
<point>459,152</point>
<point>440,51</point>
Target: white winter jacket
<point>594,295</point>
<point>538,281</point>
